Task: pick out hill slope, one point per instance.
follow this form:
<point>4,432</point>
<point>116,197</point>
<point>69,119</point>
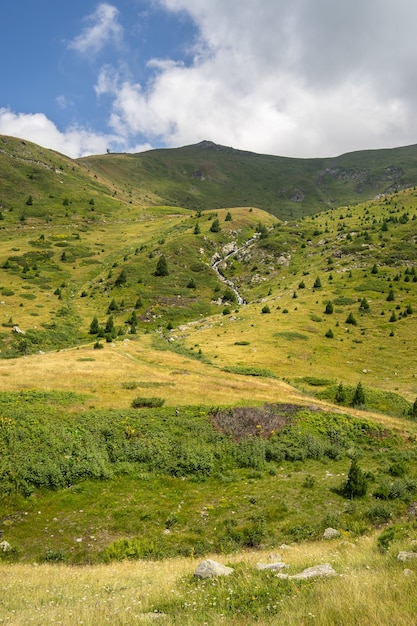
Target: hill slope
<point>209,176</point>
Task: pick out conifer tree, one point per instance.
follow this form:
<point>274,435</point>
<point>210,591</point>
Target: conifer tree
<point>162,266</point>
<point>356,485</point>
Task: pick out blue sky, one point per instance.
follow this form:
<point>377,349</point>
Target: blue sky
<point>301,78</point>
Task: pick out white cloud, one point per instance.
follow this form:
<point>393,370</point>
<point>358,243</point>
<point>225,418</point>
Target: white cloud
<point>104,28</point>
<point>306,78</point>
<point>36,127</point>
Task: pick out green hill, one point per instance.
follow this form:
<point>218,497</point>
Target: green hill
<point>198,347</point>
<point>209,176</point>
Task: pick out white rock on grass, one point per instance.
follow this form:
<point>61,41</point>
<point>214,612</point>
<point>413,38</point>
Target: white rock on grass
<point>331,533</point>
<point>271,566</point>
<point>210,569</point>
<point>406,556</point>
<point>325,569</point>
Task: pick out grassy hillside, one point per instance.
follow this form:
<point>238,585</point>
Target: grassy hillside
<point>209,176</point>
<point>178,382</point>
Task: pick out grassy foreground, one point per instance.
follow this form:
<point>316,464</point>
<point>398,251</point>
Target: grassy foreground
<point>370,588</point>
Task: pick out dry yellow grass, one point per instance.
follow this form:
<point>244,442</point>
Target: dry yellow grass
<point>101,373</point>
<point>370,589</point>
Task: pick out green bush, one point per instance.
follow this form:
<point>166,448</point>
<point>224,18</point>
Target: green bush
<point>149,403</point>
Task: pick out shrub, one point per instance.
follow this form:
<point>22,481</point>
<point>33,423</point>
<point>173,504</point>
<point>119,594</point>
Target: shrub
<point>149,403</point>
<point>379,514</point>
<point>266,309</point>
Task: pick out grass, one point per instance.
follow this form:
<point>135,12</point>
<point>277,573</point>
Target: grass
<point>370,588</point>
<point>86,478</point>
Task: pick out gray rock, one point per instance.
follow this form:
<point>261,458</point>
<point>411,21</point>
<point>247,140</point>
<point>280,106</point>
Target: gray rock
<point>209,569</point>
<point>406,556</point>
<point>408,572</point>
<point>271,566</point>
<point>331,533</point>
<point>325,569</point>
<point>5,546</point>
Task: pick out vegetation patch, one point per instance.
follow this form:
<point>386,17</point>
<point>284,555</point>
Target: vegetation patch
<point>249,371</point>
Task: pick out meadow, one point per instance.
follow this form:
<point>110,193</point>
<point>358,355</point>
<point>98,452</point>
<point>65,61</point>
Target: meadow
<point>148,420</point>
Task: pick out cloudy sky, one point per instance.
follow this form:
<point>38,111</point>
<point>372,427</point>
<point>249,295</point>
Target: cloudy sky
<point>301,78</point>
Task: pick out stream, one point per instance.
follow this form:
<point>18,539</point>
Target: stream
<point>215,265</point>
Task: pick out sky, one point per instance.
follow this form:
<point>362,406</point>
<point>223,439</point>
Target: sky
<point>296,78</point>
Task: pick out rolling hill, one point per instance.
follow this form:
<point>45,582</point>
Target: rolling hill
<point>196,347</point>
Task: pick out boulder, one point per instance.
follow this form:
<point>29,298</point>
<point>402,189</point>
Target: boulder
<point>406,556</point>
<point>324,569</point>
<point>210,569</point>
<point>331,533</point>
<point>5,546</point>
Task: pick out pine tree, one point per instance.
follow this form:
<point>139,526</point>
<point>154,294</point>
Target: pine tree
<point>121,279</point>
<point>162,267</point>
<point>228,217</point>
<point>94,327</point>
<point>340,396</point>
<point>197,229</point>
<point>317,283</point>
<point>358,396</point>
<point>356,484</point>
<point>215,227</point>
<point>329,308</point>
<point>351,319</point>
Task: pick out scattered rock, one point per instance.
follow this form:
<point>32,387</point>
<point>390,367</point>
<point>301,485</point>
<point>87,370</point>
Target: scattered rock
<point>408,572</point>
<point>18,330</point>
<point>325,569</point>
<point>5,546</point>
<point>331,533</point>
<point>209,569</point>
<point>406,556</point>
<point>271,566</point>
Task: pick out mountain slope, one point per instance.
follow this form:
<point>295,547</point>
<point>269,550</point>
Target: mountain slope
<point>209,176</point>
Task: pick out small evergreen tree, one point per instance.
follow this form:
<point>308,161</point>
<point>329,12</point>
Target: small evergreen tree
<point>340,396</point>
<point>109,328</point>
<point>162,266</point>
<point>390,296</point>
<point>197,229</point>
<point>356,484</point>
<point>364,305</point>
<point>266,309</point>
<point>329,308</point>
<point>351,319</point>
<point>317,283</point>
<point>413,411</point>
<point>94,327</point>
<point>121,279</point>
<point>215,227</point>
<point>228,217</point>
<point>329,334</point>
<point>359,396</point>
<point>112,307</point>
